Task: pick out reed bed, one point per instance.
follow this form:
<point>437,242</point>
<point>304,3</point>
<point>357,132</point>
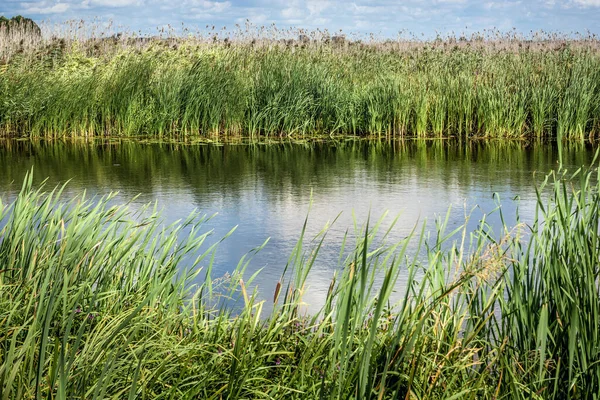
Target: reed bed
<point>83,82</point>
<point>98,301</point>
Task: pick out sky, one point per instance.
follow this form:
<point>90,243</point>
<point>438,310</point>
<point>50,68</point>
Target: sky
<point>385,19</point>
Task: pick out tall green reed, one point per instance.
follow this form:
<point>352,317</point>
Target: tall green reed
<point>194,88</point>
<point>98,300</point>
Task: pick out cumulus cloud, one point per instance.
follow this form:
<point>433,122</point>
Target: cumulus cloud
<point>42,8</point>
<point>588,3</point>
<point>115,3</point>
<point>210,6</point>
<point>317,7</point>
<point>366,9</point>
<point>291,12</point>
<point>501,4</point>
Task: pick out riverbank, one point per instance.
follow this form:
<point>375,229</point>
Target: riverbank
<point>94,304</point>
<point>499,87</point>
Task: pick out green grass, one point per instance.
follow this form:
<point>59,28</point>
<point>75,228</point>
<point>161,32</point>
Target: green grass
<point>190,87</point>
<point>97,301</point>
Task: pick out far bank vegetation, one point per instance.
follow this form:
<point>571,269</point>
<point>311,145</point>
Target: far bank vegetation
<point>78,80</point>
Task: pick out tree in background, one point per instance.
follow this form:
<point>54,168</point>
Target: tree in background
<point>20,23</point>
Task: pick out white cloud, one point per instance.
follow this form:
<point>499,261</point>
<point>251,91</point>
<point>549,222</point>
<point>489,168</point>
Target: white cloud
<point>501,4</point>
<point>306,13</point>
<point>291,12</point>
<point>115,3</point>
<point>208,6</point>
<point>317,7</point>
<point>321,21</point>
<point>367,9</point>
<point>588,3</point>
<point>41,8</point>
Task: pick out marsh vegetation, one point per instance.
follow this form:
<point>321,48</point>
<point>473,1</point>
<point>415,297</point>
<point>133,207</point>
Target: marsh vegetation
<point>94,304</point>
<point>278,83</point>
<point>101,298</point>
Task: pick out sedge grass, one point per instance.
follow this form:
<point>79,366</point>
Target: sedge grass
<point>97,301</point>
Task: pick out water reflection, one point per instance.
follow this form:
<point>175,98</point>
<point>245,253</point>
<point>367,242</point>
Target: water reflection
<point>266,189</point>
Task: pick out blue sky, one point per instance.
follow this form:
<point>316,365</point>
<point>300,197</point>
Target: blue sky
<point>384,18</point>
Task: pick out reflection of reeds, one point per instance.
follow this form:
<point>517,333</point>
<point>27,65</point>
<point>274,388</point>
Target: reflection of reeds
<point>94,304</point>
<point>229,169</point>
<point>167,86</point>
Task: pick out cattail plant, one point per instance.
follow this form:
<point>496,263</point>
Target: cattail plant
<point>99,301</point>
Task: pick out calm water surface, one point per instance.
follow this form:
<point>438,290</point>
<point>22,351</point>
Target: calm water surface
<point>266,190</point>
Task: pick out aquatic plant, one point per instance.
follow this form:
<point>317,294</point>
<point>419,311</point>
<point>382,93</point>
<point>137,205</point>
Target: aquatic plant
<point>100,301</point>
<point>267,83</point>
